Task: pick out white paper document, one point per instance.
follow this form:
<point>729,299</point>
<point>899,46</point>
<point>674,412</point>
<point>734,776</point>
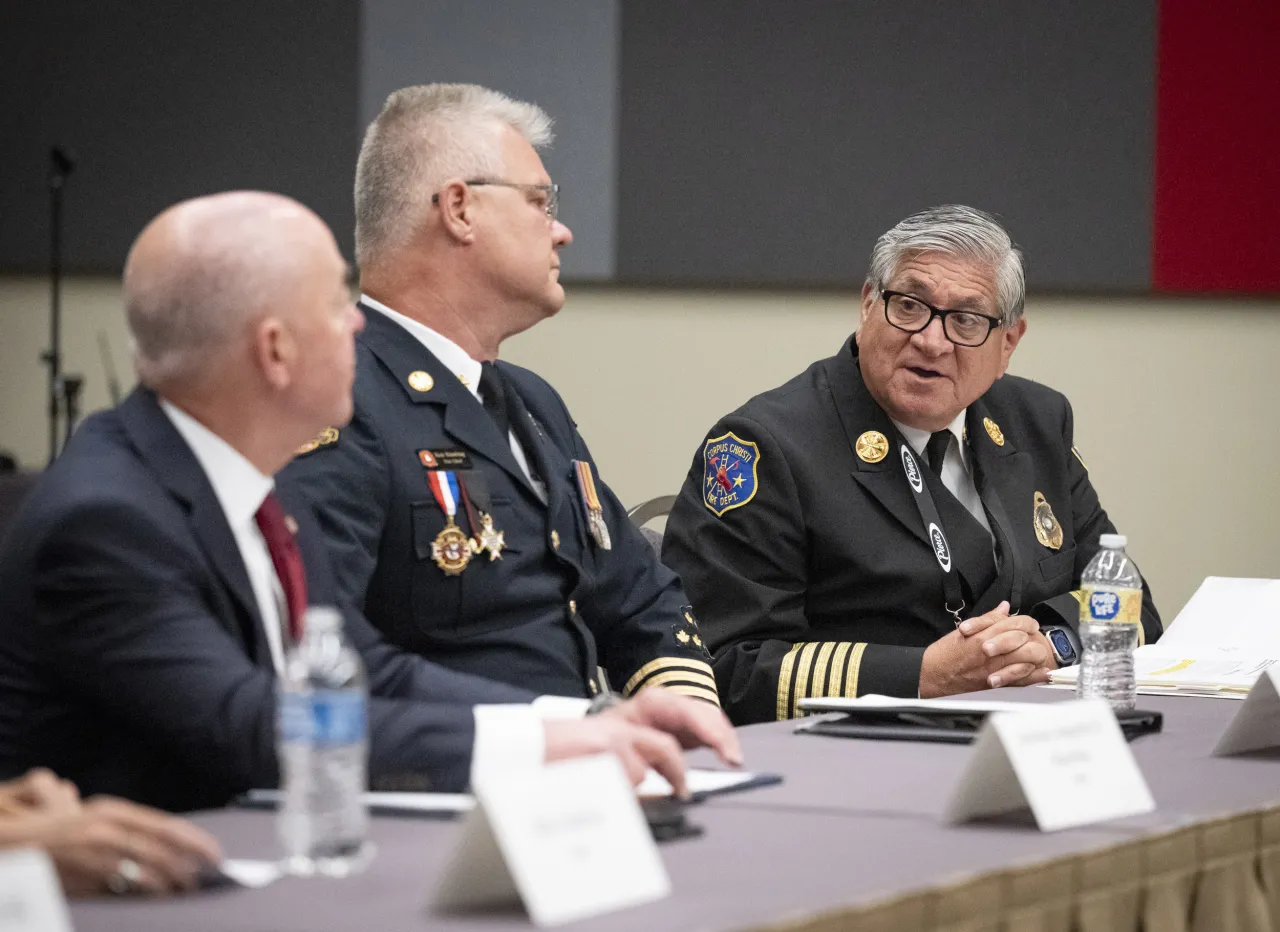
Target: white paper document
<point>31,897</point>
<point>1067,762</point>
<point>1240,614</point>
<point>1205,671</point>
<point>874,701</point>
<point>568,841</point>
<point>1257,725</point>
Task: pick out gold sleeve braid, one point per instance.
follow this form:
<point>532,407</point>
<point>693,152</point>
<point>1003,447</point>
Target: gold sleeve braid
<point>685,675</point>
<point>814,669</point>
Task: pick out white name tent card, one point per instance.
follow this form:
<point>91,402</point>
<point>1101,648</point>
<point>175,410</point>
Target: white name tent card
<point>1257,724</point>
<point>31,897</point>
<point>1066,761</point>
<point>568,840</point>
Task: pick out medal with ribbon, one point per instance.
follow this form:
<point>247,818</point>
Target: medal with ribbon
<point>451,550</point>
<point>591,503</point>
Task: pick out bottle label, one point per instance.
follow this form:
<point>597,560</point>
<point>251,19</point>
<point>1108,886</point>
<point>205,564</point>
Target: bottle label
<point>326,717</point>
<point>1112,606</point>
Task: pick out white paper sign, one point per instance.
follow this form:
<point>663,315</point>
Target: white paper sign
<point>1067,761</point>
<point>568,840</point>
<point>31,897</point>
<point>1257,724</point>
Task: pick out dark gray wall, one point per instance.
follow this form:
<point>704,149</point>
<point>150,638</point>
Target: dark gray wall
<point>561,55</point>
<point>768,142</point>
<point>163,100</point>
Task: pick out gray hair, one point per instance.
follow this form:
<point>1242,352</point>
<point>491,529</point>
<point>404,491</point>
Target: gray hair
<point>423,136</point>
<point>218,263</point>
<point>963,232</point>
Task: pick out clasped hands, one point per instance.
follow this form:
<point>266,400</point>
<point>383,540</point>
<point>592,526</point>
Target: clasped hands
<point>991,650</point>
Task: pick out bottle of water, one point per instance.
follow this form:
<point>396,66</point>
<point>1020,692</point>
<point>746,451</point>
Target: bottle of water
<point>1110,618</point>
<point>323,751</point>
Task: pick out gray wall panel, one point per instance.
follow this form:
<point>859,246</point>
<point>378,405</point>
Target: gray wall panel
<point>162,101</point>
<point>767,142</point>
<point>562,56</point>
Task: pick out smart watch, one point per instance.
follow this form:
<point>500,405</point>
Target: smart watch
<point>1063,644</point>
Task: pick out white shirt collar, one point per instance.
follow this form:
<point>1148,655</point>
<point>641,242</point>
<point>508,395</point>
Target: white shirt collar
<point>451,355</point>
<point>920,438</point>
<point>236,482</point>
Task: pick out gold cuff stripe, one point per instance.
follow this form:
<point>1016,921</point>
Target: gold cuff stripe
<point>688,663</point>
<point>820,670</point>
<point>803,669</point>
<point>784,680</point>
<point>1076,454</point>
<point>838,661</point>
<point>855,667</point>
<point>1078,595</point>
<point>678,676</point>
<point>697,692</point>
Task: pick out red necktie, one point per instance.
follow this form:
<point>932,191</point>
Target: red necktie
<point>286,559</point>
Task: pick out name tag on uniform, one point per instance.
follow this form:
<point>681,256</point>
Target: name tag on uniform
<point>567,840</point>
<point>1066,761</point>
<point>31,898</point>
<point>1257,724</point>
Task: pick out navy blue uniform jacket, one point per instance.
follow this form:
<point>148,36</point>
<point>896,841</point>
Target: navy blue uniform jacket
<point>823,582</point>
<point>555,605</point>
<point>132,657</point>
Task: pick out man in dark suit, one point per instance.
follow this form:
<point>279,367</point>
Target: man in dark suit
<point>901,518</point>
<point>150,590</point>
<point>463,508</point>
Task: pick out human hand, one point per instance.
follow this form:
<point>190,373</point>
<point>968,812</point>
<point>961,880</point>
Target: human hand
<point>995,649</point>
<point>111,845</point>
<point>637,747</point>
<point>692,722</point>
<point>39,790</point>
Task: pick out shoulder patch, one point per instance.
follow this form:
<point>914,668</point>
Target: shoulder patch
<point>729,472</point>
<point>327,436</point>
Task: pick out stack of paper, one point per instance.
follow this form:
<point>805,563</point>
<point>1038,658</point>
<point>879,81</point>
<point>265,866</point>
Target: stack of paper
<point>1221,641</point>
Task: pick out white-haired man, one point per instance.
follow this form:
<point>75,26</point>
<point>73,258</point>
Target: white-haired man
<point>463,508</point>
<point>901,518</point>
<point>156,578</point>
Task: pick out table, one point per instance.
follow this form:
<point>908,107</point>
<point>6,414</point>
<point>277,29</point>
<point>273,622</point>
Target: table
<point>851,840</point>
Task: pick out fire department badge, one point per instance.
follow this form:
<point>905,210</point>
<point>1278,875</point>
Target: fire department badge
<point>729,472</point>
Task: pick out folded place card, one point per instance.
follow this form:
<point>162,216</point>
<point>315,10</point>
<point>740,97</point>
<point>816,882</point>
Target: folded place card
<point>1257,724</point>
<point>1066,761</point>
<point>567,840</point>
<point>31,897</point>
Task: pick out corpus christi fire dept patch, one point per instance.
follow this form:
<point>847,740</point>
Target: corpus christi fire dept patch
<point>729,472</point>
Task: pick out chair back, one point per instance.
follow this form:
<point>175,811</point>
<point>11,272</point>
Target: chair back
<point>648,511</point>
<point>14,487</point>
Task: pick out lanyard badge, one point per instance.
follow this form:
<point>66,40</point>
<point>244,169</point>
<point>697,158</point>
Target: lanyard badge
<point>591,504</point>
<point>452,549</point>
<point>933,529</point>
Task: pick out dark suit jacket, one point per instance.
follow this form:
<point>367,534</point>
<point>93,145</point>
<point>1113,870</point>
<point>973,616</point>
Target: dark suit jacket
<point>132,658</point>
<point>824,583</point>
<point>555,605</point>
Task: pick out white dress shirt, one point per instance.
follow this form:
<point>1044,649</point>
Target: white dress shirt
<point>507,736</point>
<point>957,465</point>
<point>456,360</point>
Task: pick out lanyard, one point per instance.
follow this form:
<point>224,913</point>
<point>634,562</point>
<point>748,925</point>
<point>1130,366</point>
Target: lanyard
<point>933,529</point>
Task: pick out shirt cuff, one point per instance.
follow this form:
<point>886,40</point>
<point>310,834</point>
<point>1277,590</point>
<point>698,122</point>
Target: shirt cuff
<point>510,736</point>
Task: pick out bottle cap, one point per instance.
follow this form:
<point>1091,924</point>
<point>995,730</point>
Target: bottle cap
<point>1113,541</point>
<point>323,618</point>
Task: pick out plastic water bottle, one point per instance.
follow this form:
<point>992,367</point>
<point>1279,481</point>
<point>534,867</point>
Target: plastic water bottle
<point>1110,616</point>
<point>323,751</point>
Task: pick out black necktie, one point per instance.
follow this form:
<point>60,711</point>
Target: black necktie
<point>493,396</point>
<point>936,449</point>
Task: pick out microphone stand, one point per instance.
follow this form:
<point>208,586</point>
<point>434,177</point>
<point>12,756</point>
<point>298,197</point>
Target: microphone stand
<point>61,389</point>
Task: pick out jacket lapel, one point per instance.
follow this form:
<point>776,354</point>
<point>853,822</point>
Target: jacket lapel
<point>464,418</point>
<point>1004,478</point>
<point>883,480</point>
<point>175,466</point>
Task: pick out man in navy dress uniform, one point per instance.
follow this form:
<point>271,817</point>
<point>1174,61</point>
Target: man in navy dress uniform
<point>462,507</point>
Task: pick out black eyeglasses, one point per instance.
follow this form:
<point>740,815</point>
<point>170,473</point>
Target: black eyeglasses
<point>545,196</point>
<point>911,315</point>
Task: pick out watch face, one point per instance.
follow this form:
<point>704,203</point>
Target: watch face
<point>1062,646</point>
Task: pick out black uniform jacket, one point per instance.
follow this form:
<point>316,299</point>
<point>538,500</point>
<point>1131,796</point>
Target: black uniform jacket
<point>132,656</point>
<point>556,604</point>
<point>823,583</point>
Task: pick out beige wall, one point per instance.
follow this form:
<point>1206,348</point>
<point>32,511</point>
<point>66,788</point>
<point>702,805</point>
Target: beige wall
<point>1174,399</point>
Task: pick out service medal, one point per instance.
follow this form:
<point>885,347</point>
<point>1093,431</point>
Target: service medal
<point>591,505</point>
<point>1048,530</point>
<point>489,538</point>
<point>452,549</point>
